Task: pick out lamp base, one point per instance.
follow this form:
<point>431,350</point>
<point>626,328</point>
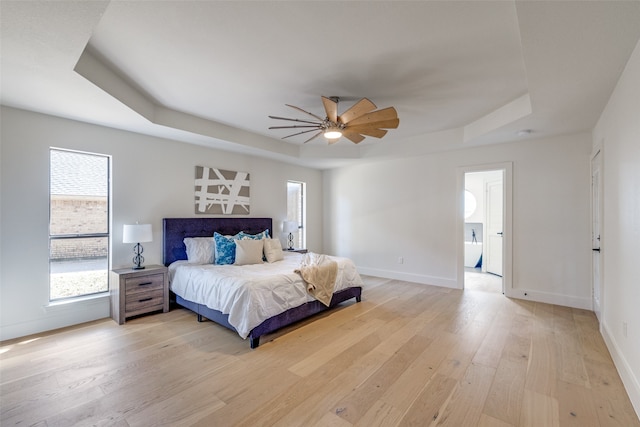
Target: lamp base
<point>138,260</point>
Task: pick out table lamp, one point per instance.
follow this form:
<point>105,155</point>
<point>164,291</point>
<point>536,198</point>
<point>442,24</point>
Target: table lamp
<point>136,233</point>
<point>290,227</point>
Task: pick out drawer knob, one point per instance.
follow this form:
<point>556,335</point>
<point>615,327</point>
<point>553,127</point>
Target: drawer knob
<point>145,283</point>
<point>145,299</point>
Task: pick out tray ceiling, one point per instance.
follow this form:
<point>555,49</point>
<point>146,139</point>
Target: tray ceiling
<point>459,73</point>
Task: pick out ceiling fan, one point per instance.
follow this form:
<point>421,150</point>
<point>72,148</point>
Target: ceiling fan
<point>359,120</point>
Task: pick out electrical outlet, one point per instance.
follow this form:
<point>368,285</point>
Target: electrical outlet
<point>624,329</point>
<point>400,260</point>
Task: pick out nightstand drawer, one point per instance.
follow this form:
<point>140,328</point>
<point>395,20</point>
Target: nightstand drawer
<point>136,285</point>
<point>144,301</point>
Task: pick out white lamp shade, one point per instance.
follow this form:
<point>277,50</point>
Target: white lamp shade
<point>137,233</point>
<point>290,226</point>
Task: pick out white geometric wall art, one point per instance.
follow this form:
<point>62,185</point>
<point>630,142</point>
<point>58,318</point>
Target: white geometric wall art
<point>219,191</point>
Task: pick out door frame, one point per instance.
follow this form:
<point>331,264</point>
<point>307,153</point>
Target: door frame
<point>507,206</point>
<point>599,311</point>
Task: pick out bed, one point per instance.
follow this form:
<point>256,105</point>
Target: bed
<point>175,230</point>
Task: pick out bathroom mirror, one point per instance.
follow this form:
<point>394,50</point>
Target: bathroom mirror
<point>469,204</point>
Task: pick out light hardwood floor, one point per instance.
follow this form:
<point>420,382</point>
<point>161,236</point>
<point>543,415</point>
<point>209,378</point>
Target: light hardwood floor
<point>407,355</point>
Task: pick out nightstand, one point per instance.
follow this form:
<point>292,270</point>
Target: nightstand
<point>300,251</point>
<point>135,292</point>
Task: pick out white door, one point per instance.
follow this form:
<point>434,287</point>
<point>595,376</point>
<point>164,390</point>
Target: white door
<point>596,217</point>
<point>494,227</point>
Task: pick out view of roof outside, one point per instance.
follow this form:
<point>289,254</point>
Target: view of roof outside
<point>79,174</point>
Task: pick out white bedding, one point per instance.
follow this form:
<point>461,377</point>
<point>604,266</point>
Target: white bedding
<point>250,294</point>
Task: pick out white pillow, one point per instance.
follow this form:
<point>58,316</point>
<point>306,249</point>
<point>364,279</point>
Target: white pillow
<point>249,251</point>
<point>273,250</point>
<point>200,250</point>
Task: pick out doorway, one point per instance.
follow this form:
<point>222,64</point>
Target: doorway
<point>486,239</point>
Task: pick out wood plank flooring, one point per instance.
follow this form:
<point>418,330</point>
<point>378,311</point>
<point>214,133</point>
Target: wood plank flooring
<point>407,355</point>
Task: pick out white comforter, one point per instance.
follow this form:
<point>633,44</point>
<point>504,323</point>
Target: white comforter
<point>250,294</point>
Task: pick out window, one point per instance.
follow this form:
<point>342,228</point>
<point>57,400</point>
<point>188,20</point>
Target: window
<point>296,211</point>
<point>78,224</point>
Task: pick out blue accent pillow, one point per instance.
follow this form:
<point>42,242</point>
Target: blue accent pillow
<point>262,235</point>
<point>225,248</point>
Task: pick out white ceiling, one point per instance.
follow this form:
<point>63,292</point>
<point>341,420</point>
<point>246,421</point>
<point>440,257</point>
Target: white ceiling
<point>210,72</point>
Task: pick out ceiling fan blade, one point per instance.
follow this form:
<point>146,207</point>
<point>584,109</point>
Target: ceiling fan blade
<point>389,113</point>
<point>331,108</point>
<point>299,133</point>
<point>353,136</point>
<point>377,133</point>
<point>306,112</point>
<point>359,108</point>
<point>313,137</point>
<point>384,124</point>
<point>294,127</point>
<point>293,120</point>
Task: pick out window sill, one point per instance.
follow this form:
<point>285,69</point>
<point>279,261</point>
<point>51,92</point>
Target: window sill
<point>74,303</point>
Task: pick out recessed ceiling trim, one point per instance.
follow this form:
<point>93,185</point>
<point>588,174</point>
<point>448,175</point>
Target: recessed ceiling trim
<point>92,69</point>
<point>190,123</point>
<point>98,73</point>
<point>508,113</point>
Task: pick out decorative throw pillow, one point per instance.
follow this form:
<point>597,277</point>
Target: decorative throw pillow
<point>273,250</point>
<point>225,248</point>
<point>199,249</point>
<point>249,251</point>
<point>262,235</point>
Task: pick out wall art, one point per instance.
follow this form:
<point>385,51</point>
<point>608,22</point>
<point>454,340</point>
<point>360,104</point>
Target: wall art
<point>219,191</point>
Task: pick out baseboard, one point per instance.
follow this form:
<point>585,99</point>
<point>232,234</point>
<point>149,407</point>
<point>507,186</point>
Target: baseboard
<point>624,370</point>
<point>56,316</point>
<point>409,277</point>
<point>550,298</point>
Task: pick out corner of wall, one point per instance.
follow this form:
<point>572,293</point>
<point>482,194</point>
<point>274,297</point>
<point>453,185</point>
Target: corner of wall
<point>624,370</point>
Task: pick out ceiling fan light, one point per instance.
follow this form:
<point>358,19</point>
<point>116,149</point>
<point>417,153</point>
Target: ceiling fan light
<point>332,133</point>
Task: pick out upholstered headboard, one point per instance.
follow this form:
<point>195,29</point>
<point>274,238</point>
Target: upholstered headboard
<point>176,229</point>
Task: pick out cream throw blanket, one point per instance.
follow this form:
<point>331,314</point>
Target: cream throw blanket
<point>319,272</point>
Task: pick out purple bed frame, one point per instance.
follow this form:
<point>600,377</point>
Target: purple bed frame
<point>173,249</point>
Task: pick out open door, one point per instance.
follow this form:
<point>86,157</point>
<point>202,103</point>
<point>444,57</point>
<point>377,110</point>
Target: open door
<point>494,245</point>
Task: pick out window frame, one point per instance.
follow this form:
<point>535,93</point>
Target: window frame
<point>300,216</point>
<point>106,234</point>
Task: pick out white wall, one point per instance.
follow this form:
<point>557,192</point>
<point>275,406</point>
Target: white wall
<point>618,133</point>
<point>152,179</point>
<point>377,212</point>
